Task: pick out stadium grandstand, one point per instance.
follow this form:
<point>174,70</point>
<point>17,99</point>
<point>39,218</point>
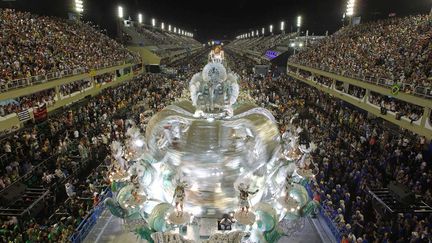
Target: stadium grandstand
<point>205,126</point>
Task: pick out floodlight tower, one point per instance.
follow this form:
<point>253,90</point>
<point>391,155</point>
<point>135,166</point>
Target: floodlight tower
<point>79,8</point>
<point>120,15</point>
<point>271,29</point>
<point>282,27</point>
<point>350,10</point>
<point>140,18</point>
<point>153,21</point>
<point>299,24</point>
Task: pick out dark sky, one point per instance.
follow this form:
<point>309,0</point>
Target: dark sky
<point>224,19</point>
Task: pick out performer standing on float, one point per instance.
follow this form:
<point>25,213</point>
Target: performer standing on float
<point>179,196</point>
<point>244,197</point>
<point>135,181</point>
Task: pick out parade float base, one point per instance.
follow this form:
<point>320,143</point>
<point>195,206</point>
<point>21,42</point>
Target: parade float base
<point>110,229</point>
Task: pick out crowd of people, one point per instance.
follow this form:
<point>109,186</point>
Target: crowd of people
<point>32,45</point>
<point>70,88</point>
<point>412,112</point>
<point>260,44</point>
<point>385,103</point>
<point>155,36</point>
<point>29,101</point>
<point>389,51</point>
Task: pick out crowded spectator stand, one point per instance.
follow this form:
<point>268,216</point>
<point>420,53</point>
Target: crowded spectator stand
<point>362,52</point>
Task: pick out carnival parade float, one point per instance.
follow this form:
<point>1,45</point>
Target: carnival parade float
<point>212,169</point>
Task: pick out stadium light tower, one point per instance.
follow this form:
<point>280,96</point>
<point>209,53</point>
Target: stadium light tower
<point>175,30</point>
<point>271,29</point>
<point>163,26</point>
<point>253,33</point>
<point>140,18</point>
<point>169,28</point>
<point>153,22</point>
<point>299,24</point>
<point>257,33</point>
<point>263,31</point>
<point>120,12</point>
<point>282,26</point>
<point>350,10</point>
<point>79,6</point>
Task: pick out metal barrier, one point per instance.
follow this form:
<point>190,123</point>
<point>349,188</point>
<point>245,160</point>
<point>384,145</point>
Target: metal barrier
<point>335,231</point>
<point>90,220</point>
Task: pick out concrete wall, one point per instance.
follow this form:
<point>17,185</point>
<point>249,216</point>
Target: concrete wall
<point>147,57</point>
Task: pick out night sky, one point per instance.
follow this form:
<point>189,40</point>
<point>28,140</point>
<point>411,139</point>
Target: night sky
<point>224,19</point>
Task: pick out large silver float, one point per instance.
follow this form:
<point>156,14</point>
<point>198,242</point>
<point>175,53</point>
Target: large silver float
<point>207,156</point>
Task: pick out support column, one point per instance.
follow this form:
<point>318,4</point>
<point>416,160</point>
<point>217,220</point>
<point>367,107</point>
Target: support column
<point>366,97</point>
<point>333,85</point>
<point>57,92</point>
<point>426,114</point>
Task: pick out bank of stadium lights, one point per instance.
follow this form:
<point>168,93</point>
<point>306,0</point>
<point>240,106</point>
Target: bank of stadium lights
<point>153,21</point>
<point>175,29</point>
<point>79,6</point>
<point>140,18</point>
<point>350,8</point>
<point>120,12</point>
<point>169,28</point>
<point>271,28</point>
<point>263,31</point>
<point>282,25</point>
<point>252,33</point>
<point>299,21</point>
<point>257,33</point>
<point>163,26</point>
